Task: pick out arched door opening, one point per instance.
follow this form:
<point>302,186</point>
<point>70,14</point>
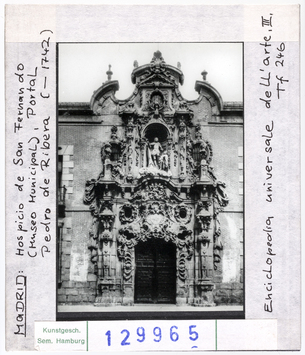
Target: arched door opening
<point>155,276</point>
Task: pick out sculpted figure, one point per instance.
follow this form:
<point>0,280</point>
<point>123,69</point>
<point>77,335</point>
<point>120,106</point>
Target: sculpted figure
<point>164,161</point>
<point>155,153</point>
<point>106,263</point>
<point>157,112</point>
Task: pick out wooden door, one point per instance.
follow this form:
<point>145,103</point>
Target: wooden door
<point>155,276</point>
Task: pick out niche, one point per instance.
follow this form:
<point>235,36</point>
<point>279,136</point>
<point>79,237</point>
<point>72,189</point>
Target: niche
<point>157,130</point>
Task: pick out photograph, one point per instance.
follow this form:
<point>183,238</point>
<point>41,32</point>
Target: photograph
<point>150,180</point>
<point>152,177</point>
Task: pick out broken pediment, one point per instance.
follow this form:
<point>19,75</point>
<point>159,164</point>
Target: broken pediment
<point>156,89</point>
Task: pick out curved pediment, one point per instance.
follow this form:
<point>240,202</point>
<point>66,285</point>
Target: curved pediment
<point>102,94</point>
<point>206,90</point>
<point>157,93</point>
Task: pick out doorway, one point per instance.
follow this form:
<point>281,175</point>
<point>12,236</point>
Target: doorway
<point>155,276</point>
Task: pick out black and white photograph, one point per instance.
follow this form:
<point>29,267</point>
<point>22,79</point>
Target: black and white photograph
<point>152,177</point>
<point>150,180</point>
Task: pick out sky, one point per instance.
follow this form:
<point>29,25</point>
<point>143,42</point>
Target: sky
<point>82,67</point>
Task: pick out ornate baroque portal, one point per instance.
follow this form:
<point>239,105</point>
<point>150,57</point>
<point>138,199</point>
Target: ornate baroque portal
<point>155,234</point>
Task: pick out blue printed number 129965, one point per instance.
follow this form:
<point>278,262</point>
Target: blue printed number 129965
<point>137,335</point>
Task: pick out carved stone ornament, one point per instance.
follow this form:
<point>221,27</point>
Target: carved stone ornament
<point>220,196</point>
<point>204,218</point>
<point>183,213</point>
<point>155,191</point>
<point>156,182</point>
<point>157,62</point>
<point>128,108</point>
<point>204,239</point>
<point>128,238</point>
<point>106,237</point>
<point>156,102</point>
<point>127,214</point>
<point>90,192</point>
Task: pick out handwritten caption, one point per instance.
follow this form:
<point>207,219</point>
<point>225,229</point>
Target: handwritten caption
<point>273,64</point>
<point>31,163</point>
<point>32,155</point>
<point>274,82</point>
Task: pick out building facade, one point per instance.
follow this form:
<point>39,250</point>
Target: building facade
<point>151,194</point>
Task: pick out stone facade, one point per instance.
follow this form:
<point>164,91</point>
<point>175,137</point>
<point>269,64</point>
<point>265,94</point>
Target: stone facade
<point>153,194</point>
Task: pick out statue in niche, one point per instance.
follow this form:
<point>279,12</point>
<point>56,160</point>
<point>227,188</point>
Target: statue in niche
<point>157,160</point>
<point>156,103</point>
<point>154,153</point>
<point>156,110</point>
